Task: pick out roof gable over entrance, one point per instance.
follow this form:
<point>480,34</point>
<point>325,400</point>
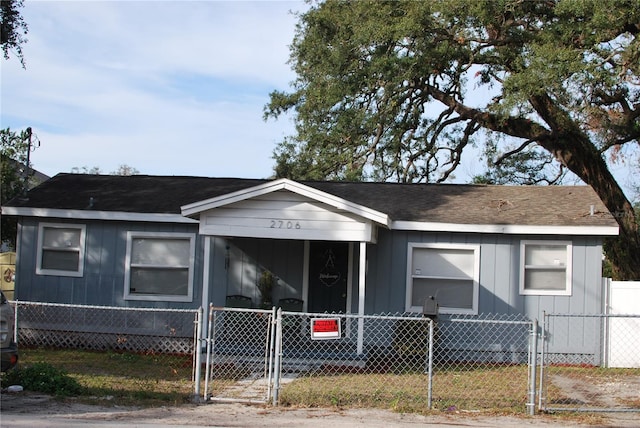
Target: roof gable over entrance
<point>288,210</point>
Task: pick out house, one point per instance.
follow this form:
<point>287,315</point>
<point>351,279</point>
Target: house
<point>361,248</point>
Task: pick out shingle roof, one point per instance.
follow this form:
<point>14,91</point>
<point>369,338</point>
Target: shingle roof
<point>436,203</point>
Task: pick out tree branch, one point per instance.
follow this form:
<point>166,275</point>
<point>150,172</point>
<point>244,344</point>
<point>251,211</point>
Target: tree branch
<point>501,158</point>
<point>513,126</point>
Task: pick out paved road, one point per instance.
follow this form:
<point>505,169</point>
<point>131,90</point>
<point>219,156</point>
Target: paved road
<point>36,411</point>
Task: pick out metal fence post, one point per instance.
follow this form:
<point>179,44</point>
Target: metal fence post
<point>533,359</point>
<point>541,388</point>
<point>272,341</point>
<point>277,371</point>
<point>198,350</point>
<point>430,367</point>
<point>208,362</point>
<point>15,322</point>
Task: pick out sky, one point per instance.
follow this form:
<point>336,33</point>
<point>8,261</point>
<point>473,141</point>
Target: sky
<point>168,88</point>
<point>165,87</point>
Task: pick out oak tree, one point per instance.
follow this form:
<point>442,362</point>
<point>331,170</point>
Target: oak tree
<point>15,176</point>
<point>400,90</point>
<point>13,28</point>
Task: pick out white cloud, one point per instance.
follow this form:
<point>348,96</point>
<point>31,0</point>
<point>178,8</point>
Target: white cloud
<point>166,87</point>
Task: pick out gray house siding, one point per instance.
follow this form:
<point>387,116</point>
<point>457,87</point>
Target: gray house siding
<point>387,268</point>
<point>235,266</point>
<point>102,282</point>
<point>499,282</point>
<point>499,273</point>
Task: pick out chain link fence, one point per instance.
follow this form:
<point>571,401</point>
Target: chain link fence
<point>402,361</point>
<point>484,362</point>
<point>100,328</point>
<point>154,346</point>
<point>590,363</point>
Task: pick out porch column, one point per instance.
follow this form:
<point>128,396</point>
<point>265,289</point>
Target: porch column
<point>206,272</point>
<point>206,280</point>
<point>362,272</point>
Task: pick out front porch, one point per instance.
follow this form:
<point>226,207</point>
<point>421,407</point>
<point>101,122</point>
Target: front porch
<point>319,246</point>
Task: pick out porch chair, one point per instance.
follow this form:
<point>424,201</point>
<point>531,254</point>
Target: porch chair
<point>238,301</point>
<point>291,324</point>
<point>291,304</point>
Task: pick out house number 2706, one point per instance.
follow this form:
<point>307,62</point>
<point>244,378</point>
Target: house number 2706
<point>284,224</point>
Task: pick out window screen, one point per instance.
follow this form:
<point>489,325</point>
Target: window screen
<point>60,249</point>
<point>545,268</point>
<point>160,267</point>
<point>449,273</point>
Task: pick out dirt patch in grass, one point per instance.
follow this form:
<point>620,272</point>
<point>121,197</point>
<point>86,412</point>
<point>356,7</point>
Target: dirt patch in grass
<point>593,387</point>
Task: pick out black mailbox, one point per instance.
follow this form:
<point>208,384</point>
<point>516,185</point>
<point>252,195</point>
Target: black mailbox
<point>430,308</point>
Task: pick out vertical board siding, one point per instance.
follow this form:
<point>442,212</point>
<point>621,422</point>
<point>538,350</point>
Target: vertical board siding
<point>236,271</point>
<point>103,281</point>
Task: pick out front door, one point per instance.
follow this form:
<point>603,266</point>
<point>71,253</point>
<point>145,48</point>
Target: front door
<point>328,273</point>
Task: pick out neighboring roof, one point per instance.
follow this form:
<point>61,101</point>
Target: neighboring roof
<point>405,204</point>
<point>36,176</point>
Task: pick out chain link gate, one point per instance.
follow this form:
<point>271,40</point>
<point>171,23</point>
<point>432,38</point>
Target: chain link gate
<point>590,363</point>
<point>239,355</point>
<point>343,359</point>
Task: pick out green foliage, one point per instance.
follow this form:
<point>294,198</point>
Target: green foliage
<point>125,378</point>
<point>531,166</point>
<point>400,90</point>
<point>15,175</point>
<point>43,377</point>
<point>266,284</point>
<point>372,76</point>
<point>13,28</point>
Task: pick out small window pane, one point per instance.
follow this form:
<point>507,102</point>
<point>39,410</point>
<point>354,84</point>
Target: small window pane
<point>173,282</point>
<point>545,255</point>
<point>57,237</point>
<point>158,252</point>
<point>60,260</point>
<point>448,293</point>
<point>443,262</point>
<point>545,279</point>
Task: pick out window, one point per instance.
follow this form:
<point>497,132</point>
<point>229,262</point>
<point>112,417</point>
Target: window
<point>545,268</point>
<point>448,272</point>
<point>60,249</point>
<point>159,266</point>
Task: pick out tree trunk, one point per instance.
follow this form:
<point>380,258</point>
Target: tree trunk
<point>570,146</point>
<point>574,149</point>
<point>624,250</point>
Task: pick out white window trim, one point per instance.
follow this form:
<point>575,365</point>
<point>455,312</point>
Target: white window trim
<point>81,248</point>
<point>159,297</point>
<point>568,269</point>
<point>476,276</point>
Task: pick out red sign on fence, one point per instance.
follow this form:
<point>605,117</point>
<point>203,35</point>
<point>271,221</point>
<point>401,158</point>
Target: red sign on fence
<point>325,328</point>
